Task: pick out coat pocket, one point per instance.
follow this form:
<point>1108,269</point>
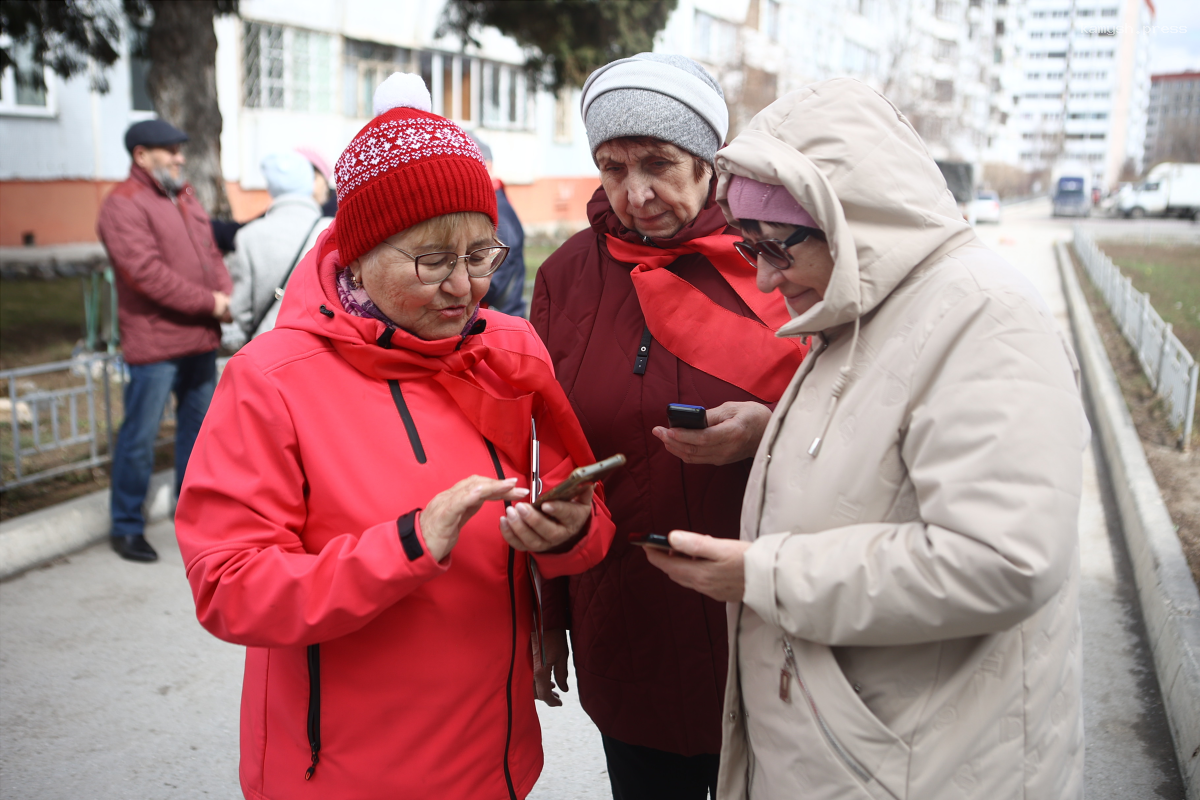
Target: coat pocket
<point>865,746</point>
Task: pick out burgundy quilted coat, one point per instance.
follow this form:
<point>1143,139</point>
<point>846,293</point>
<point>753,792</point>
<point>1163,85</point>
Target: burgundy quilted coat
<point>650,656</point>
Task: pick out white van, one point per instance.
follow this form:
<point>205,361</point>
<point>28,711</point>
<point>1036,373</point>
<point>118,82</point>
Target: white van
<point>1170,190</point>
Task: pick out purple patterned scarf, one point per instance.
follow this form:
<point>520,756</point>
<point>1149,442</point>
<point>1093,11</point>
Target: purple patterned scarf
<point>358,304</point>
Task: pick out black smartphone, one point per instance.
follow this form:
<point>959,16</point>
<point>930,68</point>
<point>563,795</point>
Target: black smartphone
<point>681,415</point>
<point>656,540</point>
<point>578,477</point>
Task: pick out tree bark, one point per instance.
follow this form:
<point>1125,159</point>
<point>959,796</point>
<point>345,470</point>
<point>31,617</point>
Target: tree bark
<point>182,83</point>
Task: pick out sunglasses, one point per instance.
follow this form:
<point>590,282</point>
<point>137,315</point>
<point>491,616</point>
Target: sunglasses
<point>775,251</point>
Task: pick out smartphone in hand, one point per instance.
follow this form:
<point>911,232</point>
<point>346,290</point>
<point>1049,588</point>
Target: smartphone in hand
<point>578,477</point>
<point>658,541</point>
<point>681,415</point>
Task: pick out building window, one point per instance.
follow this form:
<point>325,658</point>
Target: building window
<point>139,69</point>
<point>506,97</point>
<point>287,68</point>
<point>943,91</point>
<point>18,95</point>
<point>368,64</point>
<point>944,9</point>
<point>947,50</point>
<point>564,112</point>
<point>773,12</point>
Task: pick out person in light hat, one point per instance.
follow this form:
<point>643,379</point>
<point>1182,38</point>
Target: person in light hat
<point>354,510</point>
<point>651,306</point>
<point>267,249</point>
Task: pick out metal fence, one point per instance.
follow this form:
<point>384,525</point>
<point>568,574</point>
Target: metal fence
<point>1172,371</point>
<point>60,418</point>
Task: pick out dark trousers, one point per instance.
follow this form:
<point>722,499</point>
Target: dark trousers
<point>643,773</point>
<point>192,379</point>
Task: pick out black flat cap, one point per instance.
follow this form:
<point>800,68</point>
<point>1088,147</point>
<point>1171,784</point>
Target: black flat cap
<point>153,133</point>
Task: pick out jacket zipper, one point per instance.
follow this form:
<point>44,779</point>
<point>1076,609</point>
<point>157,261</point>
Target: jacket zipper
<point>314,708</point>
<point>512,658</point>
<point>851,763</point>
<point>191,239</point>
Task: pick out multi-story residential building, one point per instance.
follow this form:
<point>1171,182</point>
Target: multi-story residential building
<point>936,59</point>
<point>292,73</point>
<point>1173,118</point>
<point>1083,84</point>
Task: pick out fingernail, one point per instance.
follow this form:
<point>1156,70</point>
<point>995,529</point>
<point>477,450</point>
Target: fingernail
<point>548,508</point>
<point>522,492</point>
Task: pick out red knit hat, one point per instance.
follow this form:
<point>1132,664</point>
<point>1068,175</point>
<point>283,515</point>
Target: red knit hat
<point>406,166</point>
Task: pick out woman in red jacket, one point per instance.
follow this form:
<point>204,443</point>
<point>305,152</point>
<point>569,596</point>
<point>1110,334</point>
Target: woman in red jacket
<point>341,515</point>
<point>653,306</point>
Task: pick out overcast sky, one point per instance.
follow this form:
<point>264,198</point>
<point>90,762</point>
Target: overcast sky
<point>1176,51</point>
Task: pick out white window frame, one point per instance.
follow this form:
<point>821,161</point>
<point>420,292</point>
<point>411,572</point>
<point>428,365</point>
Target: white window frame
<point>8,94</point>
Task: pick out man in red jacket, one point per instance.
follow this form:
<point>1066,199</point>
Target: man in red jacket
<point>173,293</point>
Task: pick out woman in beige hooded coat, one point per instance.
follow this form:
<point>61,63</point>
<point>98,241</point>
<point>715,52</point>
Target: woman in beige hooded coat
<point>903,609</point>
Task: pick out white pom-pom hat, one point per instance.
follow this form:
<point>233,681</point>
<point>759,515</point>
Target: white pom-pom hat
<point>406,166</point>
<point>402,90</point>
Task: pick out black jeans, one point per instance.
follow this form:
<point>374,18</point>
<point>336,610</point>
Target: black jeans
<point>643,773</point>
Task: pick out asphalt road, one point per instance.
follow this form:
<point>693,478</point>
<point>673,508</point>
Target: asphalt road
<point>109,688</point>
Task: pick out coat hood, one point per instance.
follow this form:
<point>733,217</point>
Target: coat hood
<point>855,163</point>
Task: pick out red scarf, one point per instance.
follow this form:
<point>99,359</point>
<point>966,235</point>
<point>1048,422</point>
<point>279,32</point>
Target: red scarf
<point>738,350</point>
<point>501,413</point>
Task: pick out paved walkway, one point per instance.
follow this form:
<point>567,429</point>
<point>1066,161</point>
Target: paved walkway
<point>109,688</point>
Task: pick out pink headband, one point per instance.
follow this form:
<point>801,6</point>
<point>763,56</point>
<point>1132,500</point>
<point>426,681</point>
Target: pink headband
<point>751,199</point>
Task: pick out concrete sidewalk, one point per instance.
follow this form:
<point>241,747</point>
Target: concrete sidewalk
<point>110,689</point>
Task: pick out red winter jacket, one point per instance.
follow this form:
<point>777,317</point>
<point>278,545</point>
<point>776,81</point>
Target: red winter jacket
<point>167,268</point>
<point>417,675</point>
<point>650,655</point>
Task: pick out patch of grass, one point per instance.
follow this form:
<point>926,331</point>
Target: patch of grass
<point>40,321</point>
<point>1171,276</point>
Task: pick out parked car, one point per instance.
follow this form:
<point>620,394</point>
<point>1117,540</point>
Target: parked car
<point>987,207</point>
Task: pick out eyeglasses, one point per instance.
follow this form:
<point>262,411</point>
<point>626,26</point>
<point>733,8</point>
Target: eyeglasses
<point>775,251</point>
<point>436,267</point>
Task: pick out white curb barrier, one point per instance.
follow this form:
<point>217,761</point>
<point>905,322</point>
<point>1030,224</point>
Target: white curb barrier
<point>35,538</point>
<point>1169,599</point>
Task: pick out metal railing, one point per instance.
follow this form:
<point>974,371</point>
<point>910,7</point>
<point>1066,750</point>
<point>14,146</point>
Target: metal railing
<point>1172,371</point>
<point>59,419</point>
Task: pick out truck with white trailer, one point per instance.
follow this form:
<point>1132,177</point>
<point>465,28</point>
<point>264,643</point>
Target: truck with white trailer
<point>1170,190</point>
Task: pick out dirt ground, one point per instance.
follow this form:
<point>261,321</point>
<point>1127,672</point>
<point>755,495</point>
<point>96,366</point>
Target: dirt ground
<point>1177,471</point>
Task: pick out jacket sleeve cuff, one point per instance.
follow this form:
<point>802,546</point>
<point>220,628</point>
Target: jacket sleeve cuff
<point>406,526</point>
<point>760,560</point>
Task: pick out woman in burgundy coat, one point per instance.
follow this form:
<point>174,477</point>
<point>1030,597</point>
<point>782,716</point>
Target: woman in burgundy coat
<point>652,306</point>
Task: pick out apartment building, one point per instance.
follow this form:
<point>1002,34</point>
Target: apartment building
<point>293,73</point>
<point>1173,118</point>
<point>1083,85</point>
<point>938,60</point>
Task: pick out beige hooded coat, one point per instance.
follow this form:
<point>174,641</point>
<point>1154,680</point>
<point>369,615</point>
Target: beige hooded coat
<point>910,624</point>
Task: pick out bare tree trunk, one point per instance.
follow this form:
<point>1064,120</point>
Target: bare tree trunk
<point>182,83</point>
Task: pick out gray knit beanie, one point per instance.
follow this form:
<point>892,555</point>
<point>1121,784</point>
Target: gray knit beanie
<point>669,97</point>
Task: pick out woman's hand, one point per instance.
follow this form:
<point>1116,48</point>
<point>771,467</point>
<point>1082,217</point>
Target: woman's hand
<point>443,519</point>
<point>715,567</point>
<point>544,675</point>
<point>559,521</point>
<point>733,433</point>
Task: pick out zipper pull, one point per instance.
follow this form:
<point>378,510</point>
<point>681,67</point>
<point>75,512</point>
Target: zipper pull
<point>785,685</point>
